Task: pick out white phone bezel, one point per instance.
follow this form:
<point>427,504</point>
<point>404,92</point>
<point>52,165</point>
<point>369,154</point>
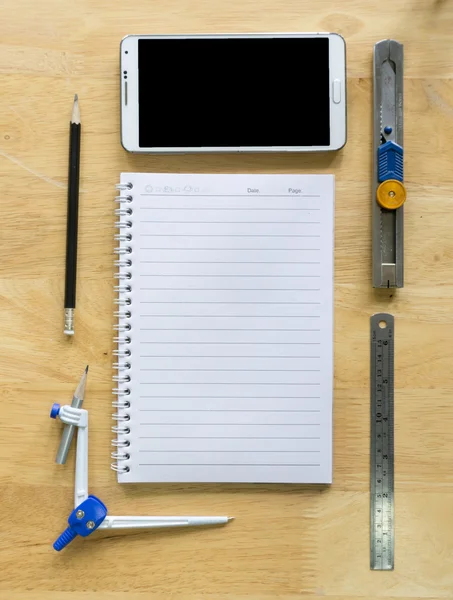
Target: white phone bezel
<point>129,95</point>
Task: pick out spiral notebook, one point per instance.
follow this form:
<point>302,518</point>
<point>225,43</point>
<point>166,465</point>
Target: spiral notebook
<point>225,328</point>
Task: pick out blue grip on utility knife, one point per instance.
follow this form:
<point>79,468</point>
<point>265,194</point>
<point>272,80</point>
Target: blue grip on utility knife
<point>390,162</point>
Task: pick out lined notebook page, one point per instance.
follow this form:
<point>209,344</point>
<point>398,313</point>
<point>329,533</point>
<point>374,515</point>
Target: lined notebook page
<point>232,332</point>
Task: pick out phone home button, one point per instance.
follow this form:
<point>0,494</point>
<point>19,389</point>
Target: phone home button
<point>336,91</point>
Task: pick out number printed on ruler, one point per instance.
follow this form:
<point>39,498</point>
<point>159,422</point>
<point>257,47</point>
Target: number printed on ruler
<point>382,444</point>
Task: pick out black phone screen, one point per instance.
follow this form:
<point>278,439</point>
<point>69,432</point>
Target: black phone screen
<point>230,92</point>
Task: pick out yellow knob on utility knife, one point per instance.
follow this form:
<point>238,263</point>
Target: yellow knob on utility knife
<point>391,194</point>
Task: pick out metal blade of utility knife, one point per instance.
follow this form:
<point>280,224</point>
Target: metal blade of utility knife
<point>388,99</point>
<point>387,225</point>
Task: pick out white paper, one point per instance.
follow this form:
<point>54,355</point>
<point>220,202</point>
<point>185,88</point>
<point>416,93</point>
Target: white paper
<point>232,329</point>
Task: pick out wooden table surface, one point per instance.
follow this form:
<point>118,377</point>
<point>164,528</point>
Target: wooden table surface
<point>286,541</point>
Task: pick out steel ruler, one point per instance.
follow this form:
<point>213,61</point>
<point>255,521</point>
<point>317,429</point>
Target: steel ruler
<point>382,442</point>
<point>389,193</point>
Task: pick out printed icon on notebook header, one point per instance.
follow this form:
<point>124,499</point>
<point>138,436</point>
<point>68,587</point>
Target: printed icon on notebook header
<point>168,189</point>
<point>188,188</point>
<point>148,189</point>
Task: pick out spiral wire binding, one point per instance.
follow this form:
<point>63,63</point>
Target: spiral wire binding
<point>122,328</point>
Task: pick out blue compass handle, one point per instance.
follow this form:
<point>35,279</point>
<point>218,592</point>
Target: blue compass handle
<point>83,520</point>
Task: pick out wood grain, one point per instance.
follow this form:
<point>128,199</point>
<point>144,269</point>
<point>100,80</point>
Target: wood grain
<point>286,541</point>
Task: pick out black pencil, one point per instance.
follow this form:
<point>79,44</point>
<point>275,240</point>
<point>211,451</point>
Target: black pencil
<point>72,219</point>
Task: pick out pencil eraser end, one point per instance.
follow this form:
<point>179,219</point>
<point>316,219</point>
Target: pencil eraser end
<point>68,321</point>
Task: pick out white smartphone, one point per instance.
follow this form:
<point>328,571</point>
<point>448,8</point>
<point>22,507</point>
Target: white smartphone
<point>233,93</point>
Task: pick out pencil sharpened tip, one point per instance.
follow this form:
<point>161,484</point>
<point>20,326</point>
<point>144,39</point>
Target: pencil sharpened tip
<point>75,110</point>
<point>86,370</point>
<point>230,519</point>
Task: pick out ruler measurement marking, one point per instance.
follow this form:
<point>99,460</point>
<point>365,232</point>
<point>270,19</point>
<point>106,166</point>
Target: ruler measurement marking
<point>382,449</point>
